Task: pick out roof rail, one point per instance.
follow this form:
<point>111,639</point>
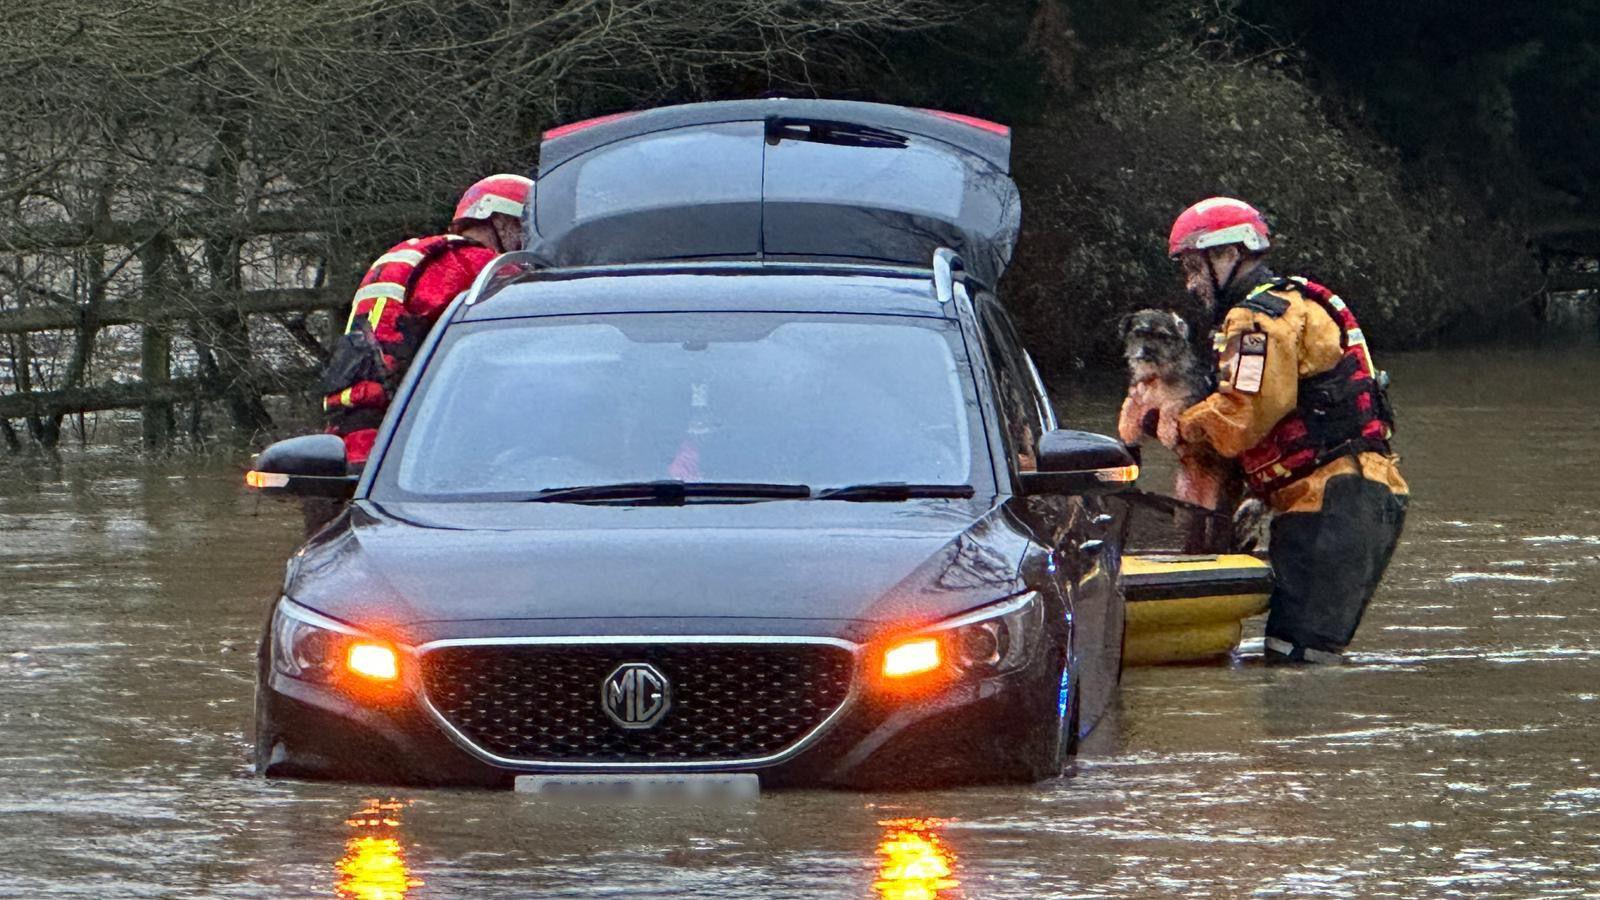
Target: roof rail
<point>518,260</point>
<point>946,263</point>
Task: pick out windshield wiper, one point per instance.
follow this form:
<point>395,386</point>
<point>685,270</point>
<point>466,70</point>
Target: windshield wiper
<point>894,490</point>
<point>670,491</point>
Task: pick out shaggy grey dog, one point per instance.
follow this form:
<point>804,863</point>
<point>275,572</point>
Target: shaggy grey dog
<point>1166,376</point>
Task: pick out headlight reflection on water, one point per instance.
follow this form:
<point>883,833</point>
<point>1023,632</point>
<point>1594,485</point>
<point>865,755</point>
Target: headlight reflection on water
<point>914,862</point>
<point>374,863</point>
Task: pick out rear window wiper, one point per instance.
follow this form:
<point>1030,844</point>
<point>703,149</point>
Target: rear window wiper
<point>670,491</point>
<point>824,131</point>
<point>893,490</point>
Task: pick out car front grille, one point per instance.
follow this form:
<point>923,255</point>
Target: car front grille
<point>728,702</point>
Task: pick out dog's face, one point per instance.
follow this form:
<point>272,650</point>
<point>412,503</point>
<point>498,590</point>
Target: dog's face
<point>1155,343</point>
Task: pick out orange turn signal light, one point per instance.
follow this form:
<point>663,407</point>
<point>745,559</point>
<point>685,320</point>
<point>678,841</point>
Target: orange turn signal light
<point>911,657</point>
<point>371,660</point>
<point>266,479</point>
<point>1118,475</point>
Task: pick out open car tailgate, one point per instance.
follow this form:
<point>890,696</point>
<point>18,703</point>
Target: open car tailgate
<point>778,179</point>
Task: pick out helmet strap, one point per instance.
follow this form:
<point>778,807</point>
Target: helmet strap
<point>501,224</point>
<point>1221,285</point>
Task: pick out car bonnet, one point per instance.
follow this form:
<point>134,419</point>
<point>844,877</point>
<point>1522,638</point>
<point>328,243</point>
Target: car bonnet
<point>426,571</point>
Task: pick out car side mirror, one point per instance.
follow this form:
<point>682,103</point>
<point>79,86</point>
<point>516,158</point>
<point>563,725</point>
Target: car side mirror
<point>312,465</point>
<point>1081,463</point>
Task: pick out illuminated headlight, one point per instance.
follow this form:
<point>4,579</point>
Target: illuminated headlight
<point>313,647</point>
<point>991,640</point>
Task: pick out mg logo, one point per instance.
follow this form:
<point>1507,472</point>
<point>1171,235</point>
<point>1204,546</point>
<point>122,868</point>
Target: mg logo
<point>635,695</point>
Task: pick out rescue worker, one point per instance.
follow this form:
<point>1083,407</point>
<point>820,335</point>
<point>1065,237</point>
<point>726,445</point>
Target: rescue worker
<point>1301,406</point>
<point>402,295</point>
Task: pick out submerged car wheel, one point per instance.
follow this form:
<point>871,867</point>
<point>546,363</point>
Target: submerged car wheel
<point>1046,751</point>
<point>265,739</point>
<point>261,732</point>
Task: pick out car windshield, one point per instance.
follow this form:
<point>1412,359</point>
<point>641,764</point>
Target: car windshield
<point>512,408</point>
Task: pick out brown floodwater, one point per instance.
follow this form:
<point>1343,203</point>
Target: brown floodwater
<point>1458,754</point>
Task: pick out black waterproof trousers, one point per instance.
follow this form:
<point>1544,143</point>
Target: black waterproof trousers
<point>1326,566</point>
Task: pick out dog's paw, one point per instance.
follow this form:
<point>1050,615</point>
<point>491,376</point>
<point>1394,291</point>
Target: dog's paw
<point>1128,428</point>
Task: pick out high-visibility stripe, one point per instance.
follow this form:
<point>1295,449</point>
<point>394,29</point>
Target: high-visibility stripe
<point>346,396</point>
<point>387,290</point>
<point>1307,654</point>
<point>376,314</point>
<point>411,257</point>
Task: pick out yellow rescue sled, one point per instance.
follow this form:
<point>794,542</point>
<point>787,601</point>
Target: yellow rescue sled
<point>1185,609</point>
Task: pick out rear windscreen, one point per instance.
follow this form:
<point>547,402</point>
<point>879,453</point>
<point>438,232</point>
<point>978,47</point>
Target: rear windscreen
<point>687,192</point>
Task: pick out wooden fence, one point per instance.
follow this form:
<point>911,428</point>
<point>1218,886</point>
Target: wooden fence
<point>156,393</point>
<point>159,308</point>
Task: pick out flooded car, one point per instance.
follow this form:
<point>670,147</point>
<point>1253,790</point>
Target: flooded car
<point>706,522</point>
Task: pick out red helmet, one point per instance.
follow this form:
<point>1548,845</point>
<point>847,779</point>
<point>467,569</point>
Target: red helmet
<point>507,194</point>
<point>1216,221</point>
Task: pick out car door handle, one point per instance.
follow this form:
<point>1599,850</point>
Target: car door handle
<point>1091,547</point>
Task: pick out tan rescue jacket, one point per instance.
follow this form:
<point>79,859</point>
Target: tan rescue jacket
<point>1301,343</point>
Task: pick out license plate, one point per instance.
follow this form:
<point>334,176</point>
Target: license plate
<point>691,787</point>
